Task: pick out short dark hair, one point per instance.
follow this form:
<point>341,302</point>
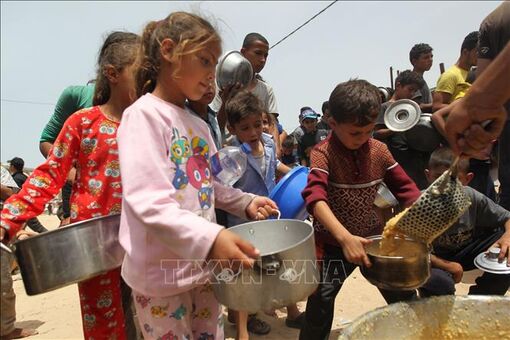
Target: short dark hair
<point>355,101</point>
<point>18,163</point>
<point>241,105</point>
<point>289,142</point>
<point>409,77</point>
<point>304,108</point>
<point>252,37</point>
<point>325,106</point>
<point>470,41</point>
<point>444,157</point>
<point>419,49</point>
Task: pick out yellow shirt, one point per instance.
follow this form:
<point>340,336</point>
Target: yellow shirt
<point>453,81</point>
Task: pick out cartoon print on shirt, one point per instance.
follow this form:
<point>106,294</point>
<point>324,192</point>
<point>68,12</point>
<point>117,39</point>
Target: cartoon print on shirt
<point>199,176</point>
<point>180,151</point>
<point>200,147</point>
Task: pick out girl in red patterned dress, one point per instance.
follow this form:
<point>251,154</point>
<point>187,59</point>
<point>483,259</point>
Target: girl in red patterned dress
<point>88,141</point>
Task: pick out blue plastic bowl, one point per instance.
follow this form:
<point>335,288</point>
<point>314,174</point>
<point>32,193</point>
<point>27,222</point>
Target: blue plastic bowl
<point>287,194</point>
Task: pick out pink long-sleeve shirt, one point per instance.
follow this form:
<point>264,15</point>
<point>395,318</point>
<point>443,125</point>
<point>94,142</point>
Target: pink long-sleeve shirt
<point>169,195</point>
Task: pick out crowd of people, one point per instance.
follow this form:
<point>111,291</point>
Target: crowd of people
<point>155,95</point>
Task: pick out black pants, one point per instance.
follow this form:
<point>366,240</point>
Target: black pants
<point>321,304</point>
<point>66,197</point>
<point>504,167</point>
<point>36,226</point>
<point>441,282</point>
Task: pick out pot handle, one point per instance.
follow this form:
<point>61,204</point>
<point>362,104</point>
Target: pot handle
<point>278,215</point>
<point>269,264</point>
<point>4,247</point>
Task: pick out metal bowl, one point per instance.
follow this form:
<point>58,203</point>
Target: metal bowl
<point>384,197</point>
<point>70,254</point>
<point>233,68</point>
<point>444,317</point>
<point>402,115</point>
<point>407,269</point>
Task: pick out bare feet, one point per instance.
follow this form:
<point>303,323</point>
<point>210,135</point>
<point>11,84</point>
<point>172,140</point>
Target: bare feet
<point>19,333</point>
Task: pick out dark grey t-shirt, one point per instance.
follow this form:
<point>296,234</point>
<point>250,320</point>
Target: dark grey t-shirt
<point>423,95</point>
<point>483,215</point>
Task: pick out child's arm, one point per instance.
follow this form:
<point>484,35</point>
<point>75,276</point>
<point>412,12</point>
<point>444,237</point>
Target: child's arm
<point>316,197</point>
<point>451,267</point>
<point>352,245</point>
<point>400,184</point>
<point>282,168</point>
<point>45,182</point>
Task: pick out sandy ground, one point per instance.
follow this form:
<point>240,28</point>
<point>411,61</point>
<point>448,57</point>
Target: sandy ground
<point>56,314</point>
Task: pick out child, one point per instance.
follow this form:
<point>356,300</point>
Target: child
<point>311,136</point>
<point>413,161</point>
<point>245,122</point>
<point>346,170</point>
<point>288,156</point>
<point>168,224</point>
<point>484,224</point>
<point>202,109</point>
<point>88,138</point>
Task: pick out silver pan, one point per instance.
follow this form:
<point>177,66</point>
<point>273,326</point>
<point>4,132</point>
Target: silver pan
<point>70,254</point>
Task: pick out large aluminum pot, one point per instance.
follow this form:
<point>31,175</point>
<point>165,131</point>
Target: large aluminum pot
<point>406,268</point>
<point>70,254</point>
<point>285,273</point>
<point>423,136</point>
<point>233,68</point>
<point>445,317</point>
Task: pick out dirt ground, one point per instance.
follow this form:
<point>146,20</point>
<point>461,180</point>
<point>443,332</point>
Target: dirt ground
<point>56,314</point>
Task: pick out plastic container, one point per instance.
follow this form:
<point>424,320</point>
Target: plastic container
<point>229,164</point>
<point>287,194</point>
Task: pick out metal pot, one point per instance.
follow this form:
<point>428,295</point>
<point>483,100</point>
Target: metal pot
<point>444,317</point>
<point>70,254</point>
<point>233,68</point>
<point>285,273</point>
<point>423,136</point>
<point>407,269</point>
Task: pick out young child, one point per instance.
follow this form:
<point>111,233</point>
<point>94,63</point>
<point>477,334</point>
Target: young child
<point>202,109</point>
<point>311,136</point>
<point>484,224</point>
<point>245,122</point>
<point>346,170</point>
<point>413,161</point>
<point>168,224</point>
<point>288,156</point>
<point>88,139</point>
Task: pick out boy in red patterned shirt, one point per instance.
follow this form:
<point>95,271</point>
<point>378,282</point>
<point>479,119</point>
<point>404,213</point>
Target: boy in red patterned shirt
<point>346,170</point>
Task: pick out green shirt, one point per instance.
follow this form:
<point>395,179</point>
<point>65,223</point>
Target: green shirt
<point>72,99</point>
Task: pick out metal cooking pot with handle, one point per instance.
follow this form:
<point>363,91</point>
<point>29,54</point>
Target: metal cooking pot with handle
<point>70,254</point>
<point>285,273</point>
<point>423,136</point>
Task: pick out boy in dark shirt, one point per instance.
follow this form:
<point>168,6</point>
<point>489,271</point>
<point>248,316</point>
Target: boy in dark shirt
<point>346,170</point>
<point>413,161</point>
<point>484,224</point>
<point>288,156</point>
<point>311,135</point>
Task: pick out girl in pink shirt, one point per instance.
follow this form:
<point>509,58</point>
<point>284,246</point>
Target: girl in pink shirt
<point>168,224</point>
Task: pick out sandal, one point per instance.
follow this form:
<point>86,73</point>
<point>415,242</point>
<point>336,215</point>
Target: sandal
<point>297,322</point>
<point>19,333</point>
<point>258,326</point>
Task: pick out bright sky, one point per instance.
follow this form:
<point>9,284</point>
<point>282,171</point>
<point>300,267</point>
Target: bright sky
<point>47,46</point>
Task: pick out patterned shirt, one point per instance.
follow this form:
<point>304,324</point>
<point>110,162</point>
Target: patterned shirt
<point>348,181</point>
<point>88,141</point>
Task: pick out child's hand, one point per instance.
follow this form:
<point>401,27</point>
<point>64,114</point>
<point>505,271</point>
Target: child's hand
<point>24,234</point>
<point>260,208</point>
<point>230,247</point>
<point>353,248</point>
